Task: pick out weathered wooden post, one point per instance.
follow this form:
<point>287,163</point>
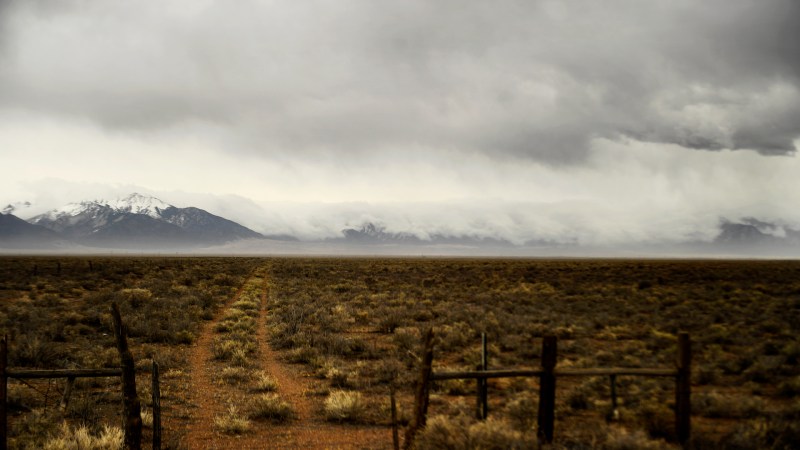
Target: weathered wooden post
<point>156,390</point>
<point>683,389</point>
<point>613,414</point>
<point>131,407</point>
<point>3,393</point>
<point>547,391</point>
<point>395,433</point>
<point>67,393</point>
<point>423,390</point>
<point>483,383</point>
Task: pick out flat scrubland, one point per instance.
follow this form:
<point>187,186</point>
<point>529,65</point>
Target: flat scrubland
<point>353,327</point>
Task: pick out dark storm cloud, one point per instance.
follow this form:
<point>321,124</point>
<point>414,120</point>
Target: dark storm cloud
<point>530,79</point>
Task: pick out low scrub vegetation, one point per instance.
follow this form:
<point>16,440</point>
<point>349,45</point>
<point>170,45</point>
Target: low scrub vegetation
<point>56,314</point>
<point>355,325</point>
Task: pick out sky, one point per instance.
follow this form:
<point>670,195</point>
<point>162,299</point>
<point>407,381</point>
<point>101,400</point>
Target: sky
<point>573,121</point>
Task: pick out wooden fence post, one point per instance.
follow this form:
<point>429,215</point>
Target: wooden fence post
<point>156,390</point>
<point>131,407</point>
<point>67,393</point>
<point>3,393</point>
<point>613,414</point>
<point>395,435</point>
<point>683,389</point>
<point>547,391</point>
<point>483,383</point>
<point>423,390</point>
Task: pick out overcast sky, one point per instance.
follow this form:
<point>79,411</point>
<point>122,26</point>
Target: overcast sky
<point>613,121</point>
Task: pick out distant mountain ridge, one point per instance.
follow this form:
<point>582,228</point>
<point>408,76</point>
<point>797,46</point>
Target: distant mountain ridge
<point>17,233</point>
<point>139,220</point>
<point>370,233</point>
<point>751,232</point>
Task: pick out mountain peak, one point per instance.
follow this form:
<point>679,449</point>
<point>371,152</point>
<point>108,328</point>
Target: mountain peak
<point>140,204</point>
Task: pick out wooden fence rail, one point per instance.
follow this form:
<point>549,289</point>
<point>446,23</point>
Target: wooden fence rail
<point>127,373</point>
<point>548,373</point>
<point>65,373</point>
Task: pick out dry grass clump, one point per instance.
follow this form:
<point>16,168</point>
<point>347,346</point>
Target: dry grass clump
<point>522,412</point>
<point>270,407</point>
<point>622,439</point>
<point>458,433</point>
<point>147,418</point>
<point>344,406</point>
<point>443,432</point>
<point>235,375</point>
<point>714,404</point>
<point>265,382</point>
<point>232,422</point>
<point>110,438</point>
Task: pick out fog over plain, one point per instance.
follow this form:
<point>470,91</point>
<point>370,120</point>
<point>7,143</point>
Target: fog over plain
<point>601,123</point>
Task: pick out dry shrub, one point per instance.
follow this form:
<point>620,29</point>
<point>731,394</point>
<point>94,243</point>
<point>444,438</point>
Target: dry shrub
<point>265,382</point>
<point>147,419</point>
<point>443,432</point>
<point>456,433</point>
<point>235,375</point>
<point>493,434</point>
<point>110,438</point>
<point>714,404</point>
<point>622,439</point>
<point>344,406</point>
<point>232,422</point>
<point>271,407</point>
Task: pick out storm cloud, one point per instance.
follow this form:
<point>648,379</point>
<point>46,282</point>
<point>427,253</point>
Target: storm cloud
<point>536,80</point>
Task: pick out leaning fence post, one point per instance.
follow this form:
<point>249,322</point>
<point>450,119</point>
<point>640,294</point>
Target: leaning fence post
<point>547,391</point>
<point>3,393</point>
<point>67,393</point>
<point>156,390</point>
<point>683,389</point>
<point>132,409</point>
<point>423,390</point>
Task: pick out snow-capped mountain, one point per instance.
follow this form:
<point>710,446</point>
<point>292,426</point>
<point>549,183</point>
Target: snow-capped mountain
<point>140,204</point>
<point>140,220</point>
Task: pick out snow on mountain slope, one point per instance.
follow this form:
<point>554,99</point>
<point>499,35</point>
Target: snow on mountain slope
<point>134,204</point>
<point>140,218</point>
<point>140,204</point>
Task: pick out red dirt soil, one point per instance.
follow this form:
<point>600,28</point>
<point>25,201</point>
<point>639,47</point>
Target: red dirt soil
<point>308,430</point>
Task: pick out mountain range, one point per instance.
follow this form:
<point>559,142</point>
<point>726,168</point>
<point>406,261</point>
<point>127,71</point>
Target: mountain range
<point>139,222</point>
<point>136,221</point>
